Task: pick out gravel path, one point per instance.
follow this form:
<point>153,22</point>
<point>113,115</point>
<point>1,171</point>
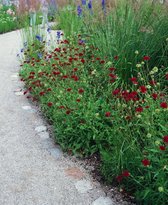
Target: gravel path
<point>34,171</point>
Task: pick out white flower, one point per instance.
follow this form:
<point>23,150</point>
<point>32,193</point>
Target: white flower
<point>138,65</point>
<point>160,189</point>
<point>148,135</point>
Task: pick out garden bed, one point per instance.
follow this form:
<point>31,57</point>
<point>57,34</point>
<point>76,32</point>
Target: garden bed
<point>105,92</point>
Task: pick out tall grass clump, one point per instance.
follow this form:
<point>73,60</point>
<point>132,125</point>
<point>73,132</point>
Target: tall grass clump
<point>124,28</point>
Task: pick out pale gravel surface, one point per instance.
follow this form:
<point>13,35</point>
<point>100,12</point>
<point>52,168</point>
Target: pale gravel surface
<point>30,174</point>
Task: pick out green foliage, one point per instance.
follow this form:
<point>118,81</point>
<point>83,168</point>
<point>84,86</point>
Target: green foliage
<point>8,20</point>
<point>105,92</point>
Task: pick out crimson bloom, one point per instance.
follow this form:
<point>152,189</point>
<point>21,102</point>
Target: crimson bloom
<point>152,82</point>
<point>112,75</point>
<point>50,104</point>
<point>145,162</point>
<point>162,148</point>
<point>139,109</point>
<point>107,114</point>
<point>82,60</point>
<point>116,91</point>
<point>154,96</point>
<point>119,178</point>
<point>143,89</point>
<point>126,173</point>
<point>116,57</point>
<point>80,91</point>
<point>41,93</point>
<point>146,58</point>
<point>49,89</point>
<point>69,89</point>
<point>163,105</point>
<point>165,139</point>
<point>166,76</point>
<point>133,79</point>
<point>112,69</point>
<point>68,112</point>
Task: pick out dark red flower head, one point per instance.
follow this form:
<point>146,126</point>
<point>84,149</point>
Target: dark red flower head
<point>166,76</point>
<point>143,89</point>
<point>69,89</point>
<point>107,114</point>
<point>146,58</point>
<point>119,178</point>
<point>145,162</point>
<point>139,109</point>
<point>163,105</point>
<point>50,104</point>
<point>80,91</point>
<point>68,112</point>
<point>116,57</point>
<point>165,139</point>
<point>116,91</point>
<point>154,96</point>
<point>82,60</point>
<point>126,173</point>
<point>162,148</point>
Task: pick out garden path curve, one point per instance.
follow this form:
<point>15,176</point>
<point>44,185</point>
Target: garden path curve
<point>33,171</point>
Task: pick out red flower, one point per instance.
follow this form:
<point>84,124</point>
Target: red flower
<point>145,162</point>
<point>119,178</point>
<point>107,114</point>
<point>126,173</point>
<point>139,109</point>
<point>82,61</point>
<point>25,92</point>
<point>165,139</point>
<point>142,89</point>
<point>75,69</point>
<point>152,82</point>
<point>116,91</point>
<point>31,77</point>
<point>66,41</point>
<point>146,58</point>
<point>80,91</point>
<point>42,93</point>
<point>50,104</point>
<point>78,100</point>
<point>163,105</point>
<point>112,76</point>
<point>64,76</point>
<point>56,73</point>
<point>166,76</point>
<point>128,117</point>
<point>116,57</point>
<point>133,79</point>
<point>111,69</point>
<point>80,54</point>
<point>102,62</point>
<point>155,96</point>
<point>61,107</point>
<point>162,148</point>
<point>147,106</point>
<point>32,73</point>
<point>75,77</point>
<point>68,112</point>
<point>49,89</point>
<point>69,89</point>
